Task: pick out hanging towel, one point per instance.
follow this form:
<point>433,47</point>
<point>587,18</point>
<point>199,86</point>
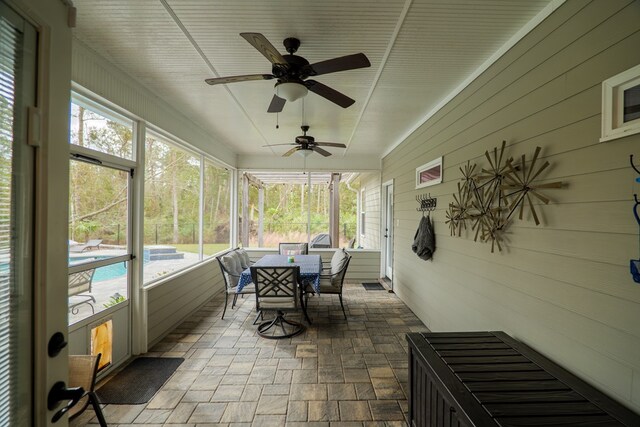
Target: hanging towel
<point>424,242</point>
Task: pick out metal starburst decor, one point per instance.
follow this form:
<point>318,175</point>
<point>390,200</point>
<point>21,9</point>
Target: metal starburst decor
<point>487,199</point>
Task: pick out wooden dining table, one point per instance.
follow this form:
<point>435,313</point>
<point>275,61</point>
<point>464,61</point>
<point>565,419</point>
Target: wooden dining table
<point>310,268</point>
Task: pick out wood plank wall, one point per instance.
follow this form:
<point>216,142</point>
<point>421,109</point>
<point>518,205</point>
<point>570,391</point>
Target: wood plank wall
<point>170,303</point>
<point>563,287</point>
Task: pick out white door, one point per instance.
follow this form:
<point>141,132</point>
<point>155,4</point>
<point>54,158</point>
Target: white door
<point>388,231</point>
<point>17,92</point>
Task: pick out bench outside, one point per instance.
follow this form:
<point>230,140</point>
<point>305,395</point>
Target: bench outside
<point>490,379</point>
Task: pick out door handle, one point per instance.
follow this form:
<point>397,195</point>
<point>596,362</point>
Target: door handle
<point>56,344</point>
<point>60,392</point>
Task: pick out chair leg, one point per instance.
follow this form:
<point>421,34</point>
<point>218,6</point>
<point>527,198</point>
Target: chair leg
<point>304,308</point>
<point>258,316</point>
<point>96,407</point>
<point>235,298</point>
<point>226,301</point>
<point>342,305</point>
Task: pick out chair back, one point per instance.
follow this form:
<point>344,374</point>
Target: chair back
<point>294,249</point>
<point>243,256</point>
<point>80,282</point>
<point>339,264</point>
<point>276,287</point>
<point>230,268</point>
<point>82,373</point>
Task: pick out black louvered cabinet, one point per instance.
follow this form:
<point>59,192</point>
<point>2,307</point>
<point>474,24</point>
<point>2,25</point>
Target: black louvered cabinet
<point>477,379</point>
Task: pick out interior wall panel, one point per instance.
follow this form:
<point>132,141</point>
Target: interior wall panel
<point>562,287</point>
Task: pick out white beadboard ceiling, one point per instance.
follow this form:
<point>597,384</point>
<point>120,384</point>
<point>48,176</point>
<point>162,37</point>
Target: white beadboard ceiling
<point>419,51</point>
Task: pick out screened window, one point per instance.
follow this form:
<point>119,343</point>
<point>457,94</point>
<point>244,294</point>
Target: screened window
<point>99,208</point>
<point>171,208</point>
<point>216,217</point>
<point>279,207</point>
<point>94,127</point>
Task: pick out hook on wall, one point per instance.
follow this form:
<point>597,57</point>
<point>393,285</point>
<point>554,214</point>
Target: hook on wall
<point>634,166</point>
<point>427,203</point>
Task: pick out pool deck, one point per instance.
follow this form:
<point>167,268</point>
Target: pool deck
<point>104,289</point>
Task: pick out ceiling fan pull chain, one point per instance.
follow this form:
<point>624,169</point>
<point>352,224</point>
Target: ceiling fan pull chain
<point>277,120</point>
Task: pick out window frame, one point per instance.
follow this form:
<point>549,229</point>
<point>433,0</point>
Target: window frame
<point>613,126</point>
<point>140,130</point>
<point>430,165</point>
<point>203,157</point>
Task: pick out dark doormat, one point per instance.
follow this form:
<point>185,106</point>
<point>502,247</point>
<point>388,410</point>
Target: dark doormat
<point>373,286</point>
<point>139,381</point>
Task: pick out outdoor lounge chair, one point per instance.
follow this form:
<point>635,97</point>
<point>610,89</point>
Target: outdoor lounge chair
<point>83,247</point>
<point>80,288</point>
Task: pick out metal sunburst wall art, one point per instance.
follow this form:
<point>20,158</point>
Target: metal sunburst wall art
<point>488,197</point>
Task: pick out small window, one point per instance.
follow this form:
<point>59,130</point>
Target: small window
<point>429,173</point>
<point>621,105</point>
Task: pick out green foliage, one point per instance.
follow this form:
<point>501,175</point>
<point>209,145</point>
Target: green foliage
<point>114,299</point>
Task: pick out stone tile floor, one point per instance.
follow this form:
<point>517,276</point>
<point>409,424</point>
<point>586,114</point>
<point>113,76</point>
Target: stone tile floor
<point>337,373</point>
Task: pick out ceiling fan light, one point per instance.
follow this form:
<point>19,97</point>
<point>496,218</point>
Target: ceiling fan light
<point>291,91</point>
<point>304,152</point>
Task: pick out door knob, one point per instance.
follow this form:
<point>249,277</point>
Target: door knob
<point>59,392</point>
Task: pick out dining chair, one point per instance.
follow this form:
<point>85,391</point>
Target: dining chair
<point>82,373</point>
<point>277,291</point>
<point>293,249</point>
<point>332,278</point>
<point>231,265</point>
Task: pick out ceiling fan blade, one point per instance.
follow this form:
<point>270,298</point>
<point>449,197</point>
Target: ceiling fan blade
<point>321,151</point>
<point>331,144</point>
<point>276,145</point>
<point>234,79</point>
<point>331,94</point>
<point>344,63</point>
<point>290,152</point>
<point>265,47</point>
<point>276,105</point>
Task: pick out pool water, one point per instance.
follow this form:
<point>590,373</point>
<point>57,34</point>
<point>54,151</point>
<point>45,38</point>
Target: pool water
<point>108,272</point>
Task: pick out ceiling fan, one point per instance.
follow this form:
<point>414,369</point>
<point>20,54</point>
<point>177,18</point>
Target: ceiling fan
<point>292,71</point>
<point>306,144</point>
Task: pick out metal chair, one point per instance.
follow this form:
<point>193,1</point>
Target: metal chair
<point>82,373</point>
<point>277,291</point>
<point>332,278</point>
<point>80,287</point>
<point>293,249</point>
<point>231,266</point>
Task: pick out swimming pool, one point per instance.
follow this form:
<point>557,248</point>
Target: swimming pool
<point>108,272</point>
